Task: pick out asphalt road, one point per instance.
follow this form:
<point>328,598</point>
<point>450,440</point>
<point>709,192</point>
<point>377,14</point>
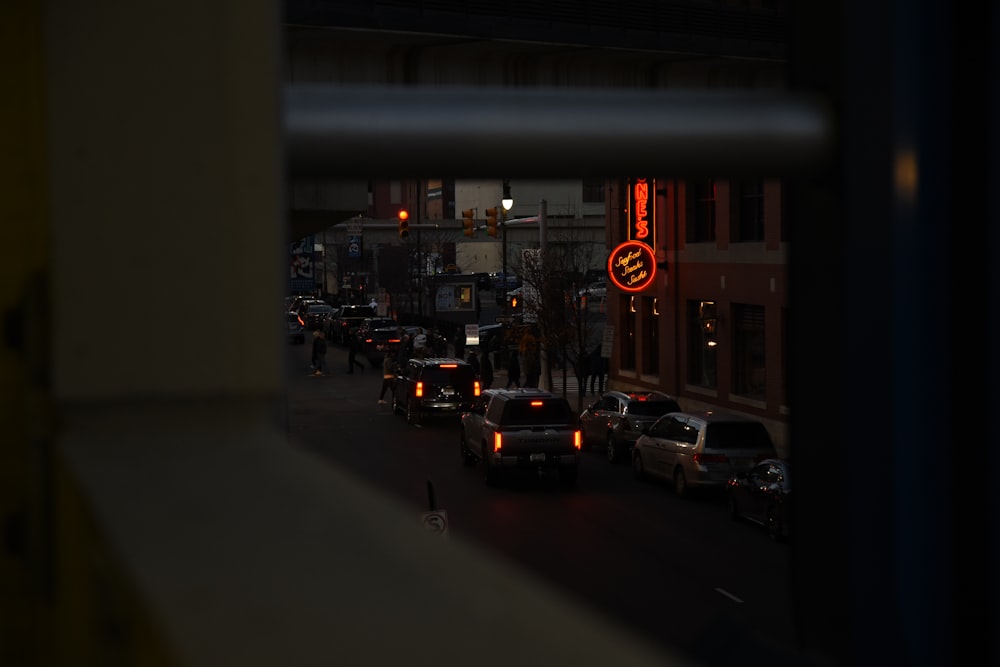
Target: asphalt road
<point>678,570</point>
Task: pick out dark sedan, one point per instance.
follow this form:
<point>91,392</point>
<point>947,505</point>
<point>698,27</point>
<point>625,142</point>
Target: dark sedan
<point>762,495</point>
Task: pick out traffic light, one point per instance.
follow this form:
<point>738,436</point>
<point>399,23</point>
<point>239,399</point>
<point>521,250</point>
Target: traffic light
<point>404,224</point>
<point>491,221</point>
<point>467,221</point>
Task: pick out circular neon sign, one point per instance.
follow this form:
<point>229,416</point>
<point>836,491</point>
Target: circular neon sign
<point>632,266</point>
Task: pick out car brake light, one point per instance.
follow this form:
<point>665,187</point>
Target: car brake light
<point>449,366</point>
<point>475,388</point>
<point>368,340</point>
<point>420,390</point>
<point>302,322</point>
<point>709,458</point>
<point>497,442</point>
<point>576,439</point>
<point>537,404</point>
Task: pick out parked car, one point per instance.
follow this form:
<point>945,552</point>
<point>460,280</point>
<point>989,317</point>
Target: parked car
<point>509,430</point>
<point>618,418</point>
<point>434,386</point>
<point>762,495</point>
<point>296,332</point>
<point>701,449</point>
<point>598,289</point>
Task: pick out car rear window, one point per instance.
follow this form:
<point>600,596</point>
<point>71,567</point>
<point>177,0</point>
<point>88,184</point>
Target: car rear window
<point>455,377</point>
<point>737,435</point>
<point>526,412</point>
<point>652,408</point>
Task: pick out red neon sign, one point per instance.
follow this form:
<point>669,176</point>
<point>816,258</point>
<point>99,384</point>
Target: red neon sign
<point>632,266</point>
<point>642,211</point>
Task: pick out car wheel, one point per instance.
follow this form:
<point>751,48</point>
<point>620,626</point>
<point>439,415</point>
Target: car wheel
<point>612,449</point>
<point>467,458</point>
<point>412,415</point>
<point>637,466</point>
<point>773,524</point>
<point>489,472</point>
<point>680,483</point>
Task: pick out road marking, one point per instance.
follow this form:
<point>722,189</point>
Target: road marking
<point>728,595</point>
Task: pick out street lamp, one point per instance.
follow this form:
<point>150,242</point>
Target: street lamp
<point>507,202</point>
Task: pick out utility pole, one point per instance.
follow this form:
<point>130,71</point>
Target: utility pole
<point>420,264</point>
<point>543,243</point>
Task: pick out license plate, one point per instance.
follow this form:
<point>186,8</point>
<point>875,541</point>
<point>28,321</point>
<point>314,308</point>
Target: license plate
<point>537,458</point>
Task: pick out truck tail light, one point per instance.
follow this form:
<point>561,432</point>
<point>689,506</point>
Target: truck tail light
<point>577,442</point>
<point>419,393</point>
<point>476,389</point>
<point>497,444</point>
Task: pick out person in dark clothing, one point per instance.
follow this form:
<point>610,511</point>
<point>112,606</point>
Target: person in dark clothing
<point>405,350</point>
<point>353,347</point>
<point>486,371</point>
<point>474,361</point>
<point>459,342</point>
<point>513,370</point>
<point>319,353</point>
<point>598,369</point>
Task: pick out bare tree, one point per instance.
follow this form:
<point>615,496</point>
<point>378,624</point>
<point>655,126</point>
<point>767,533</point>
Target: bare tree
<point>567,325</point>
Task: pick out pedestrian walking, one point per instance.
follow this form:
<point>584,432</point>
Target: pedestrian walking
<point>513,370</point>
<point>420,344</point>
<point>319,353</point>
<point>582,369</point>
<point>598,369</point>
<point>388,376</point>
<point>459,342</point>
<point>486,370</point>
<point>353,347</point>
<point>474,361</point>
<point>405,350</point>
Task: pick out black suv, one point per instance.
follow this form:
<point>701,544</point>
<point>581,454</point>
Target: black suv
<point>434,386</point>
<point>521,429</point>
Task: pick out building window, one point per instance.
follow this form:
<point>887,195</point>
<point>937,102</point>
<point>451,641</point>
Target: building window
<point>748,223</point>
<point>749,361</point>
<point>593,191</point>
<point>701,213</point>
<point>650,336</point>
<point>703,343</point>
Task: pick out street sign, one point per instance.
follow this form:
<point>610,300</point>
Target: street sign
<point>354,228</point>
<point>608,342</point>
<point>436,521</point>
<point>472,334</point>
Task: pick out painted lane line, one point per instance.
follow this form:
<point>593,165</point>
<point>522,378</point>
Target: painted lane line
<point>729,595</point>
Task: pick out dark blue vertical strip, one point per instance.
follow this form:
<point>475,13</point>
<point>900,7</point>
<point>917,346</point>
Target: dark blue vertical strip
<point>921,297</point>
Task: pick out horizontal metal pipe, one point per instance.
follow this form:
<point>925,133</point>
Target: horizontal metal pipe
<point>337,131</point>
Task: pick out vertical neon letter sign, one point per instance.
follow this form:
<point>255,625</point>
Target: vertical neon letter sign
<point>642,212</point>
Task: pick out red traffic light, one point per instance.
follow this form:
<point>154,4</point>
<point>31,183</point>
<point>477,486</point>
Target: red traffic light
<point>404,224</point>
